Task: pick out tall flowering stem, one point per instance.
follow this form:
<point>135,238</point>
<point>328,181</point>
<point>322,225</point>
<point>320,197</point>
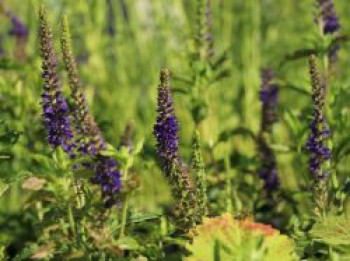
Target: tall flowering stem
<point>19,31</point>
<point>197,166</point>
<point>166,133</point>
<point>268,97</point>
<point>55,108</point>
<point>328,17</point>
<point>329,24</point>
<point>89,139</point>
<point>316,144</point>
<point>204,38</point>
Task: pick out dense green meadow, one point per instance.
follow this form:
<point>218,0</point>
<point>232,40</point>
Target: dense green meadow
<point>258,169</point>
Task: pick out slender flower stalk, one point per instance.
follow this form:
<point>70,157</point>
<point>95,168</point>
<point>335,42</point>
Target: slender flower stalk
<point>328,17</point>
<point>55,108</point>
<point>166,133</point>
<point>89,138</point>
<point>18,28</point>
<point>20,32</point>
<point>268,96</point>
<point>197,166</point>
<point>329,24</point>
<point>204,37</point>
<point>166,128</point>
<point>126,139</point>
<point>319,133</point>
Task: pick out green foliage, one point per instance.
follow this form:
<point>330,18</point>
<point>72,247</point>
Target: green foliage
<point>216,50</point>
<point>333,231</point>
<point>224,238</point>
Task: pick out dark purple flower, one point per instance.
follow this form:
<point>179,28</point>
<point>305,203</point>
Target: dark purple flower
<point>319,131</point>
<point>55,108</point>
<point>330,24</point>
<point>268,97</point>
<point>18,28</point>
<point>107,176</point>
<point>329,17</point>
<point>166,127</point>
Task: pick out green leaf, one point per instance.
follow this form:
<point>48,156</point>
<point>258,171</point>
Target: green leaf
<point>3,187</point>
<point>138,147</point>
<point>144,216</point>
<point>332,230</point>
<point>128,243</point>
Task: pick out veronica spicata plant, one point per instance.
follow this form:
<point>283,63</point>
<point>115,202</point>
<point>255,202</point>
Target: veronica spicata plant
<point>328,22</point>
<point>320,154</point>
<point>89,139</point>
<point>166,133</point>
<point>197,167</point>
<point>55,108</point>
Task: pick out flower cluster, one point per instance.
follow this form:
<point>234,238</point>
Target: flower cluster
<point>329,17</point>
<point>55,108</point>
<point>85,138</point>
<point>166,127</point>
<point>166,132</point>
<point>319,131</point>
<point>18,28</point>
<point>330,24</point>
<point>89,139</point>
<point>108,177</point>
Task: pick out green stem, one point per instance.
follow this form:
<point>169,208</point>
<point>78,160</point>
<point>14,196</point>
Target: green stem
<point>125,209</point>
<point>228,186</point>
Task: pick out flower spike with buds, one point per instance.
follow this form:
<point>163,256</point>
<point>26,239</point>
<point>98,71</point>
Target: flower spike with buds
<point>55,108</point>
<point>166,133</point>
<point>91,141</point>
<point>317,141</point>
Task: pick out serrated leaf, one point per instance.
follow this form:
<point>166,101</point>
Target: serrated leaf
<point>332,230</point>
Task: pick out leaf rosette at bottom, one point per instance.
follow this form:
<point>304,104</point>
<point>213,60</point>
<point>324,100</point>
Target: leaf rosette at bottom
<point>225,238</point>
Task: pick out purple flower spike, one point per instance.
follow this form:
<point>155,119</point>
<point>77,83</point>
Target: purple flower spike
<point>166,128</point>
<point>55,108</point>
<point>108,177</point>
<point>319,131</point>
<point>328,16</point>
<point>18,27</point>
